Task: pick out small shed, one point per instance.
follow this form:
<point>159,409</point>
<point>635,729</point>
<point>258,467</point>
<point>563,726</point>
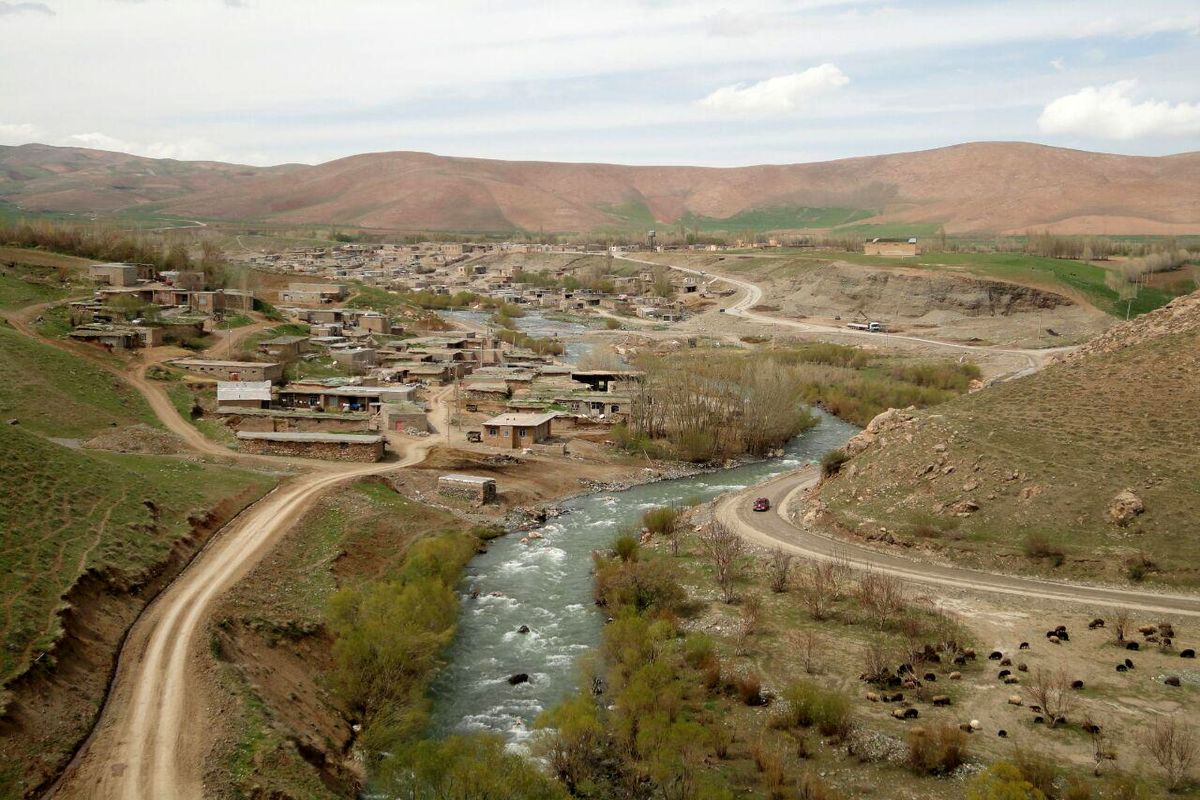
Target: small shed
<point>512,431</point>
<point>475,488</point>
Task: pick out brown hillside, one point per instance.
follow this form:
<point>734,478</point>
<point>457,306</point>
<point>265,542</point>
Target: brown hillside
<point>1027,475</point>
<point>994,186</point>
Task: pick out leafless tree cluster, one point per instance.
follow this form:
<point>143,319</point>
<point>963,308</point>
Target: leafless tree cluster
<point>779,570</point>
<point>1174,747</point>
<point>717,407</point>
<point>820,587</point>
<point>1122,623</point>
<point>881,598</point>
<point>723,547</point>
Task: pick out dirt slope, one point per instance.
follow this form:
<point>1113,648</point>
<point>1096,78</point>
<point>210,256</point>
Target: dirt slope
<point>991,186</point>
<point>1032,475</point>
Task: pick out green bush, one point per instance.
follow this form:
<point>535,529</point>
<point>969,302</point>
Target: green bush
<point>831,462</point>
<point>809,705</point>
<point>626,547</point>
<point>464,768</point>
<point>1002,781</point>
<point>661,521</point>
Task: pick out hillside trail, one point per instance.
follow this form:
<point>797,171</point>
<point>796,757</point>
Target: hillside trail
<point>152,735</point>
<point>1035,358</point>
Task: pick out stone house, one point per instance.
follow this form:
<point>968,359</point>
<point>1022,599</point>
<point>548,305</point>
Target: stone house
<point>513,431</point>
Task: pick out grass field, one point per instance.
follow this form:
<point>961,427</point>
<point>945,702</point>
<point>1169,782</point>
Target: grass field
<point>56,393</point>
<point>32,276</point>
<point>1073,435</point>
<point>65,511</point>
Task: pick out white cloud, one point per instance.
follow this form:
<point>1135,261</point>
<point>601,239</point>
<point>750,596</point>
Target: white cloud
<point>1058,64</point>
<point>184,150</point>
<point>1110,112</point>
<point>7,8</point>
<point>778,95</point>
<point>18,133</point>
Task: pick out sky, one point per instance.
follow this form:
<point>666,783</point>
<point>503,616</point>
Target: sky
<point>700,82</point>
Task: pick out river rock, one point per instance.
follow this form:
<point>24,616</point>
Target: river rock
<point>523,629</point>
<point>518,678</point>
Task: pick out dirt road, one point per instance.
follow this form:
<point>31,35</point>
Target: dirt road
<point>776,529</point>
<point>152,738</point>
<point>752,295</point>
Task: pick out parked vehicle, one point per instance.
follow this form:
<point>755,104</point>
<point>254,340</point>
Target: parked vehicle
<point>871,327</point>
<point>762,504</point>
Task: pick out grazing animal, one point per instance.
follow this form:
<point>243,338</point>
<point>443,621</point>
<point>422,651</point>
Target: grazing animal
<point>956,676</point>
<point>940,700</point>
<point>1188,653</point>
<point>1076,684</point>
<point>995,655</point>
<point>1096,623</point>
<point>1023,667</point>
<point>1024,646</point>
<point>1006,662</point>
<point>1122,668</point>
<point>1011,679</point>
<point>1004,673</point>
<point>1003,734</point>
<point>930,677</point>
<point>1132,646</point>
<point>1014,700</point>
<point>874,698</point>
<point>1129,663</point>
<point>1038,720</point>
<point>1172,680</point>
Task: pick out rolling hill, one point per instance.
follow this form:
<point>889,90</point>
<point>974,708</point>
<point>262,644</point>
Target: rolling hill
<point>979,187</point>
<point>1083,470</point>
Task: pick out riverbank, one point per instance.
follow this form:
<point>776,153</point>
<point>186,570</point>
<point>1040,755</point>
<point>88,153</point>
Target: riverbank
<point>545,586</point>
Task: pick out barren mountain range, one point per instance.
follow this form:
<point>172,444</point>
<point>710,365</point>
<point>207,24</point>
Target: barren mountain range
<point>1002,187</point>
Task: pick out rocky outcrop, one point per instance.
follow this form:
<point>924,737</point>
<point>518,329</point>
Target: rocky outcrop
<point>1124,507</point>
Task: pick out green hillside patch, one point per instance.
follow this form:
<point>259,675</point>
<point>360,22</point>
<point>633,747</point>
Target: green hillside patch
<point>634,213</point>
<point>1022,476</point>
<point>64,512</point>
<point>774,218</point>
<point>57,393</point>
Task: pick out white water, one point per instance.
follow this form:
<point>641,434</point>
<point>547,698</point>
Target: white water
<point>547,585</point>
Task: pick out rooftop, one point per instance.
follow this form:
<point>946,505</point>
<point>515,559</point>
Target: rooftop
<point>460,478</point>
<point>243,390</point>
<point>204,362</point>
<point>525,420</point>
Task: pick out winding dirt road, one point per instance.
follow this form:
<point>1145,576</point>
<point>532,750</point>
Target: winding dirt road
<point>152,737</point>
<point>752,296</point>
<point>775,528</point>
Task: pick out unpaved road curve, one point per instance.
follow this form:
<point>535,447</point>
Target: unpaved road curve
<point>753,295</point>
<point>152,738</point>
<point>774,529</point>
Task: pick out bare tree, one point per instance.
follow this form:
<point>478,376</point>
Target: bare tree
<point>1173,746</point>
<point>818,588</point>
<point>1052,691</point>
<point>1122,622</point>
<point>723,548</point>
<point>779,569</point>
<point>810,645</point>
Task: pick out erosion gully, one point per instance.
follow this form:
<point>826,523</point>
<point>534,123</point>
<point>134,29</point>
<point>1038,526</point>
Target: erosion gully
<point>545,584</point>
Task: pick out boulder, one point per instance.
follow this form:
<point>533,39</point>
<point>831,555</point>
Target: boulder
<point>1124,507</point>
<point>520,677</point>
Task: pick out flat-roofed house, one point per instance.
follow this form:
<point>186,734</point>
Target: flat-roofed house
<point>343,398</point>
<point>244,394</point>
<point>114,274</point>
<point>284,348</point>
<point>233,370</point>
<point>516,430</point>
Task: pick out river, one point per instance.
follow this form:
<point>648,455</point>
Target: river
<point>535,324</point>
<point>547,585</point>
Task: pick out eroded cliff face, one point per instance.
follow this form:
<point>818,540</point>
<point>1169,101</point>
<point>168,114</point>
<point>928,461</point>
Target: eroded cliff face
<point>913,295</point>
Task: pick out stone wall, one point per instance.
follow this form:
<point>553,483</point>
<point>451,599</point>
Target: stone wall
<point>328,451</point>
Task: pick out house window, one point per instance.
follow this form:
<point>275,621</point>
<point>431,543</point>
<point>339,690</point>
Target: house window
<point>521,432</point>
<point>492,430</point>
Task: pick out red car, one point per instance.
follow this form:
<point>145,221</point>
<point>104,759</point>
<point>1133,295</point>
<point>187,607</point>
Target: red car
<point>762,504</point>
